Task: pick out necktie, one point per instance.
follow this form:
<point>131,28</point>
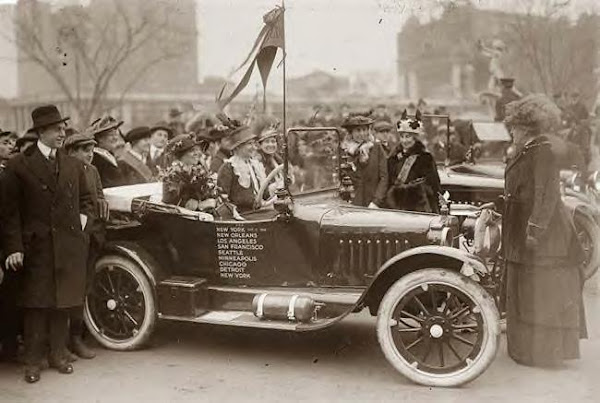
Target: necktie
<point>52,162</point>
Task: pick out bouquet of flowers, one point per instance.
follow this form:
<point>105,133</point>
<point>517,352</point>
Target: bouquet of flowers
<point>182,184</point>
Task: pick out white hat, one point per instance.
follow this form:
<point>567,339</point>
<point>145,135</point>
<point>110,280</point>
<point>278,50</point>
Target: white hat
<point>410,125</point>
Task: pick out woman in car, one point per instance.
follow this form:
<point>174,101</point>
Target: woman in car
<point>368,162</point>
<point>186,182</point>
<point>268,149</point>
<point>414,183</point>
<point>241,176</point>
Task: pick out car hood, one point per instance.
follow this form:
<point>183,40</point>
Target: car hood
<point>335,215</point>
<point>448,177</point>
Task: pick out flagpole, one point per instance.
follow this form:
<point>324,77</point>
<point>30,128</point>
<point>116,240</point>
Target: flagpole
<point>285,139</point>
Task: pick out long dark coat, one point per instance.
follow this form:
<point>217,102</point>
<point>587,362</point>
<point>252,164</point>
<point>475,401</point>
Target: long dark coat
<point>370,178</point>
<point>97,228</point>
<point>108,168</point>
<point>41,218</point>
<point>545,317</point>
<point>532,194</point>
<point>418,190</point>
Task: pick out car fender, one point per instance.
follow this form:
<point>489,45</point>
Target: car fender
<point>139,255</point>
<point>415,259</point>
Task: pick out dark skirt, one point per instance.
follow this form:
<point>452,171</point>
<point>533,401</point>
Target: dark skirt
<point>544,313</point>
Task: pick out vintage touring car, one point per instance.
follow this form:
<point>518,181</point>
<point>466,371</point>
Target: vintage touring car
<point>301,266</point>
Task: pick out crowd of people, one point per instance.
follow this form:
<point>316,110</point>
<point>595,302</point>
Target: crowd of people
<point>54,211</point>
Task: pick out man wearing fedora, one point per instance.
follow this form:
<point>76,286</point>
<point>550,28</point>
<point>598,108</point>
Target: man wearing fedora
<point>110,145</point>
<point>159,137</point>
<point>47,206</point>
<point>133,160</point>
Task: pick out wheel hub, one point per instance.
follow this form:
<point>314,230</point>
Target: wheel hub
<point>436,327</point>
<point>111,304</point>
<point>436,331</point>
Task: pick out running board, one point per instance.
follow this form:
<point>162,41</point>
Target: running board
<point>245,319</point>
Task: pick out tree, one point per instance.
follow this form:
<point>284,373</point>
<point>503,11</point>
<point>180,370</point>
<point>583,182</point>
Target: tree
<point>551,53</point>
<point>89,51</point>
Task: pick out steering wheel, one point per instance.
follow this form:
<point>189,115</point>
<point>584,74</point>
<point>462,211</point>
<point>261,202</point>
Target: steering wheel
<point>259,196</point>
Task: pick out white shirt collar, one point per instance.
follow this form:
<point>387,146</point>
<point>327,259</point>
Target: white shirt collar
<point>45,150</point>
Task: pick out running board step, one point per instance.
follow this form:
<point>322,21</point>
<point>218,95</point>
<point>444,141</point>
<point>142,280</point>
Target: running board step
<point>245,319</point>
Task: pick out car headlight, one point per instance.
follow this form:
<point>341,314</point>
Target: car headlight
<point>575,182</point>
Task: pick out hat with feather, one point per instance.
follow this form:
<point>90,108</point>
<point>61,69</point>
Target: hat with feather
<point>412,124</point>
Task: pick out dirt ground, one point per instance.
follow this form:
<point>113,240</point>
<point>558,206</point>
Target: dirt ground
<point>191,363</point>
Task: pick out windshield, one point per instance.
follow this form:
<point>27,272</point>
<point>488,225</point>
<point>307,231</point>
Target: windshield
<point>313,159</point>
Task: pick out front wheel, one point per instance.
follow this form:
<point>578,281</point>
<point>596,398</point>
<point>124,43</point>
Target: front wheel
<point>120,309</point>
<point>438,328</point>
<point>588,234</point>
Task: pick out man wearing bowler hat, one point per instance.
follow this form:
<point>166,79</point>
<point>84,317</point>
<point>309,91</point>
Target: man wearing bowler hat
<point>47,206</point>
<point>133,161</point>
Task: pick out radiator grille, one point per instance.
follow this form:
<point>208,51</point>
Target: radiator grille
<point>359,256</point>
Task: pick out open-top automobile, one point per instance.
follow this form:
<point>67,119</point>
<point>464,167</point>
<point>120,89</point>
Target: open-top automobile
<point>302,265</point>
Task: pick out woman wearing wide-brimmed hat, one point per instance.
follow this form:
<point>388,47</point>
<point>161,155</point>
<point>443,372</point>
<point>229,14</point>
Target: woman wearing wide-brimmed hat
<point>242,175</point>
<point>545,317</point>
<point>369,174</point>
<point>268,149</point>
<point>414,183</point>
<point>187,182</point>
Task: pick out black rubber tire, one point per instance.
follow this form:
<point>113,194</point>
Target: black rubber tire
<point>468,287</point>
<point>141,338</point>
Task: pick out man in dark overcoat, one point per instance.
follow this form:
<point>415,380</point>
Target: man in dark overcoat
<point>47,205</point>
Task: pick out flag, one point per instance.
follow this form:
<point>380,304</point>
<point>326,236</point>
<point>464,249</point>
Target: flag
<point>263,53</point>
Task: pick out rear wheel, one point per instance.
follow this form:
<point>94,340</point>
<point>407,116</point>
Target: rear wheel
<point>438,328</point>
<point>120,310</point>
